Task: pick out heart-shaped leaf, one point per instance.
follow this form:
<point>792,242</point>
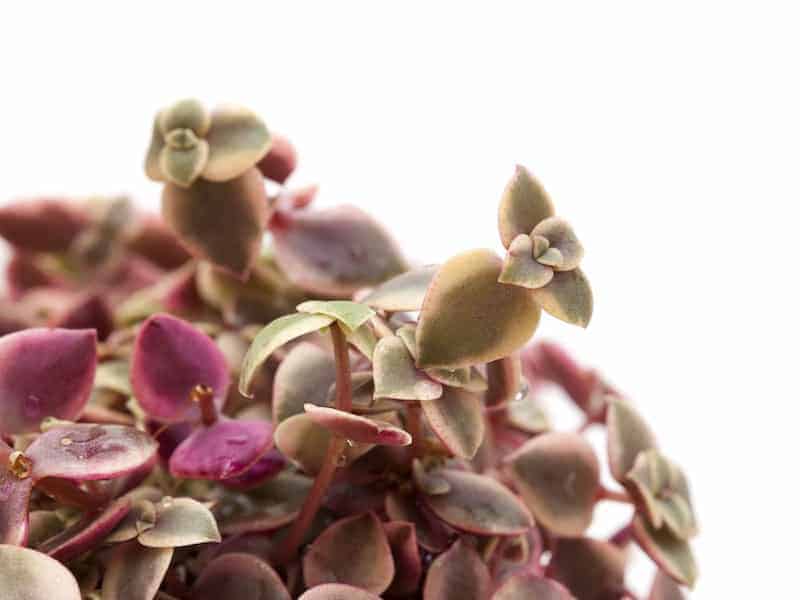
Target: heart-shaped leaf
<point>458,574</point>
<point>280,161</point>
<point>30,575</point>
<point>527,586</point>
<point>357,428</point>
<point>396,376</point>
<point>469,318</point>
<point>589,568</point>
<point>479,504</point>
<point>225,449</point>
<point>352,314</point>
<point>560,236</point>
<point>240,576</point>
<point>272,337</point>
<point>628,435</point>
<point>336,251</point>
<point>337,591</point>
<point>523,206</point>
<point>44,373</point>
<point>404,292</point>
<point>170,359</point>
<point>180,522</point>
<point>432,534</point>
<point>663,491</point>
<point>665,588</point>
<point>457,419</point>
<point>402,538</point>
<point>305,443</point>
<point>22,224</point>
<point>84,452</point>
<point>671,554</point>
<point>277,503</point>
<point>567,297</point>
<point>354,551</point>
<point>237,140</point>
<point>558,476</point>
<point>304,376</point>
<point>521,268</point>
<point>221,222</point>
<point>135,572</point>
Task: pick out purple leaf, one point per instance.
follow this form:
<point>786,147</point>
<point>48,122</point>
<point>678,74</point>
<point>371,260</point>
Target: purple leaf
<point>170,359</point>
<point>265,468</point>
<point>402,538</point>
<point>153,240</point>
<point>224,449</point>
<point>86,452</point>
<point>23,224</point>
<point>44,373</point>
<point>88,311</point>
<point>240,576</point>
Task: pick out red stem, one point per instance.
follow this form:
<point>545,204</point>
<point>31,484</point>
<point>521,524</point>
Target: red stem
<point>614,496</point>
<point>414,424</point>
<point>344,401</point>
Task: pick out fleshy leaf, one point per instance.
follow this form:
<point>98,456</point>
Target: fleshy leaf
<point>135,572</point>
<point>402,538</point>
<point>22,224</point>
<point>357,428</point>
<point>351,314</point>
<point>589,568</point>
<point>672,555</point>
<point>153,240</point>
<point>265,468</point>
<point>354,551</point>
<point>14,496</point>
<point>86,451</point>
<point>504,377</point>
<point>404,292</point>
<point>188,113</point>
<point>523,206</point>
<point>557,474</point>
<point>141,517</point>
<point>225,449</point>
<point>664,493</point>
<point>521,268</point>
<point>239,576</point>
<point>272,337</point>
<point>567,297</point>
<point>237,140</point>
<point>304,376</point>
<point>280,161</point>
<point>87,311</point>
<point>527,586</point>
<point>628,435</point>
<point>337,591</point>
<point>457,419</point>
<point>562,238</point>
<point>183,165</point>
<point>336,251</point>
<point>396,376</point>
<point>458,574</point>
<point>432,534</point>
<point>170,359</point>
<point>44,373</point>
<point>479,504</point>
<point>306,443</point>
<point>469,318</point>
<point>30,575</point>
<point>547,361</point>
<point>180,522</point>
<point>665,588</point>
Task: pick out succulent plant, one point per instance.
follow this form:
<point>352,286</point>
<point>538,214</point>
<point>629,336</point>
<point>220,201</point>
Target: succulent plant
<point>191,410</point>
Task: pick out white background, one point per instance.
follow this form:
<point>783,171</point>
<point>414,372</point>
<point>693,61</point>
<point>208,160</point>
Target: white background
<point>666,132</point>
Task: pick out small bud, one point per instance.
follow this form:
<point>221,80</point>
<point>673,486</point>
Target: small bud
<point>20,465</point>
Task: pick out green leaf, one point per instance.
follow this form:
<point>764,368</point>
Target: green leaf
<point>237,140</point>
<point>674,556</point>
<point>135,572</point>
<point>521,268</point>
<point>183,165</point>
<point>469,318</point>
<point>272,337</point>
<point>363,339</point>
<point>404,292</point>
<point>180,522</point>
<point>457,419</point>
<point>561,238</point>
<point>351,314</point>
<point>628,435</point>
<point>396,376</point>
<point>185,114</point>
<point>567,297</point>
<point>523,206</point>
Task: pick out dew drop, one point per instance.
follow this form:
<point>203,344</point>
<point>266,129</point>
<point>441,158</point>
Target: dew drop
<point>66,441</point>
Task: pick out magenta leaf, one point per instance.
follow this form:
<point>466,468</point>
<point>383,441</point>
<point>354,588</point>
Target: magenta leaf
<point>170,359</point>
<point>44,373</point>
<point>85,452</point>
<point>89,311</point>
<point>265,468</point>
<point>222,450</point>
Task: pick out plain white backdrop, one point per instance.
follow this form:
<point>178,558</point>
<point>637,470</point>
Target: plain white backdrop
<point>668,134</point>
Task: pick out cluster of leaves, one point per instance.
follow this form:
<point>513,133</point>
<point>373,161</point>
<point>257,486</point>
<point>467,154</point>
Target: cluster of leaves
<point>188,412</point>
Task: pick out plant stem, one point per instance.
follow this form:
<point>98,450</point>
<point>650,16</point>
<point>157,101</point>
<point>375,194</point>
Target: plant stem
<point>614,496</point>
<point>66,492</point>
<point>203,395</point>
<point>414,424</point>
<point>336,446</point>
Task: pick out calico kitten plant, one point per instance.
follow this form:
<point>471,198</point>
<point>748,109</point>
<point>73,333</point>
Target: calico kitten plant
<point>256,399</point>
